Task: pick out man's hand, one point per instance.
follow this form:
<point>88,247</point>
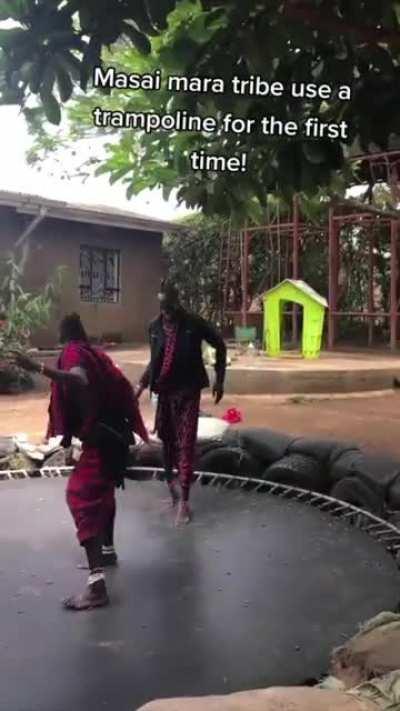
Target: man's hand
<point>25,362</point>
<point>138,390</point>
<point>218,392</point>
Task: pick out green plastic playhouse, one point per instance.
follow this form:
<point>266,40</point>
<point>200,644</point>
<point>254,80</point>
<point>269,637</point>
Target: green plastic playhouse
<point>314,306</point>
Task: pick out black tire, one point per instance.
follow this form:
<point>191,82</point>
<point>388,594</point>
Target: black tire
<point>261,443</point>
<point>146,455</point>
<point>202,448</point>
<point>341,449</point>
<point>347,464</point>
<point>393,495</point>
<point>319,449</point>
<point>358,493</point>
<point>298,470</point>
<point>229,460</point>
<point>380,472</point>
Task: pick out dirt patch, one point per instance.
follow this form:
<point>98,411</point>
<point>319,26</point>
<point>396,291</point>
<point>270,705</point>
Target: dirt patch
<point>371,422</point>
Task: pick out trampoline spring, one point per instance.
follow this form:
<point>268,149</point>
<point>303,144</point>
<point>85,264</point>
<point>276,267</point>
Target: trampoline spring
<point>378,530</point>
<point>326,505</point>
<point>314,500</point>
<point>373,526</point>
<point>227,483</point>
<point>337,509</point>
<point>387,537</point>
<point>272,488</point>
<point>260,487</point>
<point>301,495</point>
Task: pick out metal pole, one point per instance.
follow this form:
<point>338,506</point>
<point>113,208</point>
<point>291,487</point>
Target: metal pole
<point>371,306</point>
<point>394,227</point>
<point>22,242</point>
<point>295,329</point>
<point>245,277</point>
<point>332,280</point>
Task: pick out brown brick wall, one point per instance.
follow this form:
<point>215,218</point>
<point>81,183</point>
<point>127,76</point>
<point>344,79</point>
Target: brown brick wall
<point>57,242</point>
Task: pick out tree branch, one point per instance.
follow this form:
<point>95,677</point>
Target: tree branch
<point>302,12</point>
<point>362,207</point>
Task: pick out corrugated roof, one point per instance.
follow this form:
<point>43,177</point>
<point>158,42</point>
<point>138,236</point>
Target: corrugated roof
<point>94,214</point>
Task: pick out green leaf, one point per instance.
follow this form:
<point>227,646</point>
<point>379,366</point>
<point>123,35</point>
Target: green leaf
<point>137,11</point>
<point>141,42</point>
<point>64,83</point>
<point>9,38</point>
<point>314,152</point>
<point>51,108</point>
<point>70,63</point>
<point>158,11</point>
<point>91,57</point>
<point>6,10</point>
<point>118,174</point>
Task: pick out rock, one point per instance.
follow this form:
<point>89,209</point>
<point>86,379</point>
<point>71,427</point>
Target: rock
<point>57,459</point>
<point>7,446</point>
<point>273,699</point>
<point>17,461</point>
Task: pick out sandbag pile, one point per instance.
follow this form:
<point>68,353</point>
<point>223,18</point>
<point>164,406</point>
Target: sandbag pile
<point>364,676</point>
<point>340,469</point>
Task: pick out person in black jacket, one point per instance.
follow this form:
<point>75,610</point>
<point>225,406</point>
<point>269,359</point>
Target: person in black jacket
<point>177,374</point>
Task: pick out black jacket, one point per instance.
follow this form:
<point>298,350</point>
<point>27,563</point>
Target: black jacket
<point>188,369</point>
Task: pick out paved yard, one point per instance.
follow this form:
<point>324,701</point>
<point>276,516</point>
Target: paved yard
<point>370,421</point>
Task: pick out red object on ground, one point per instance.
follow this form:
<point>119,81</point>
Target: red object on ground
<point>233,416</point>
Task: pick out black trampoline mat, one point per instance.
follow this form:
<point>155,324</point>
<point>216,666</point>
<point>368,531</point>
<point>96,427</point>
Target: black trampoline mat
<point>255,592</point>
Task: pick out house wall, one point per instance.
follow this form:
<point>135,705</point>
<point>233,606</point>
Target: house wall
<point>57,243</point>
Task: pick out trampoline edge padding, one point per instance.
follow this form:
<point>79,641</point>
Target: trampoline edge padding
<point>384,532</point>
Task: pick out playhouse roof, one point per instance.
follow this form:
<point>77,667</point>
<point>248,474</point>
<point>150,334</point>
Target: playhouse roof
<point>303,287</point>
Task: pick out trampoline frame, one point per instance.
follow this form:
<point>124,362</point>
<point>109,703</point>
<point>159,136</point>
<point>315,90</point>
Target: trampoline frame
<point>380,530</point>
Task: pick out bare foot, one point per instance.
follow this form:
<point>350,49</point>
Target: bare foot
<point>94,596</point>
<point>173,500</point>
<point>184,515</point>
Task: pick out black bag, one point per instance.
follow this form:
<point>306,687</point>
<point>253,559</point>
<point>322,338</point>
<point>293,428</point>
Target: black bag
<point>113,440</point>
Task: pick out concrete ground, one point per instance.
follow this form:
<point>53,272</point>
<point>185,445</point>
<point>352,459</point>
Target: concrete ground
<point>373,422</point>
<point>255,373</point>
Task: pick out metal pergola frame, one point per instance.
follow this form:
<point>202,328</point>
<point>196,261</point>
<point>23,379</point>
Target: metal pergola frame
<point>383,167</point>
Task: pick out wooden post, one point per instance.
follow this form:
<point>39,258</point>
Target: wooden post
<point>394,267</point>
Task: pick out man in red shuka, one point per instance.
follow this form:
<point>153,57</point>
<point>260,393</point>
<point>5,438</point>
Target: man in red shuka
<point>92,400</point>
<point>177,374</point>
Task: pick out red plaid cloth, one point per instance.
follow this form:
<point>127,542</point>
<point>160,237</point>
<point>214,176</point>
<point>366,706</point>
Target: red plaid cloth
<point>171,332</point>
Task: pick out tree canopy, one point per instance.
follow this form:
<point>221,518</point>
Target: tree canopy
<point>337,42</point>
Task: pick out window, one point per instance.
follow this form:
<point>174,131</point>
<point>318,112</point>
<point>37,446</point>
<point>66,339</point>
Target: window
<point>100,275</point>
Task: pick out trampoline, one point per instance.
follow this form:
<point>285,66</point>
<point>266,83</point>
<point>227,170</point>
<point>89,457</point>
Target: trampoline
<point>255,592</point>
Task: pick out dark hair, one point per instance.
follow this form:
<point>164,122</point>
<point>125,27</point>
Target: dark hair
<point>71,328</point>
<point>170,291</point>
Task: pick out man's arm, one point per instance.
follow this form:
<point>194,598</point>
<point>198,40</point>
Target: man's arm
<point>74,377</point>
<point>215,340</point>
<point>144,382</point>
